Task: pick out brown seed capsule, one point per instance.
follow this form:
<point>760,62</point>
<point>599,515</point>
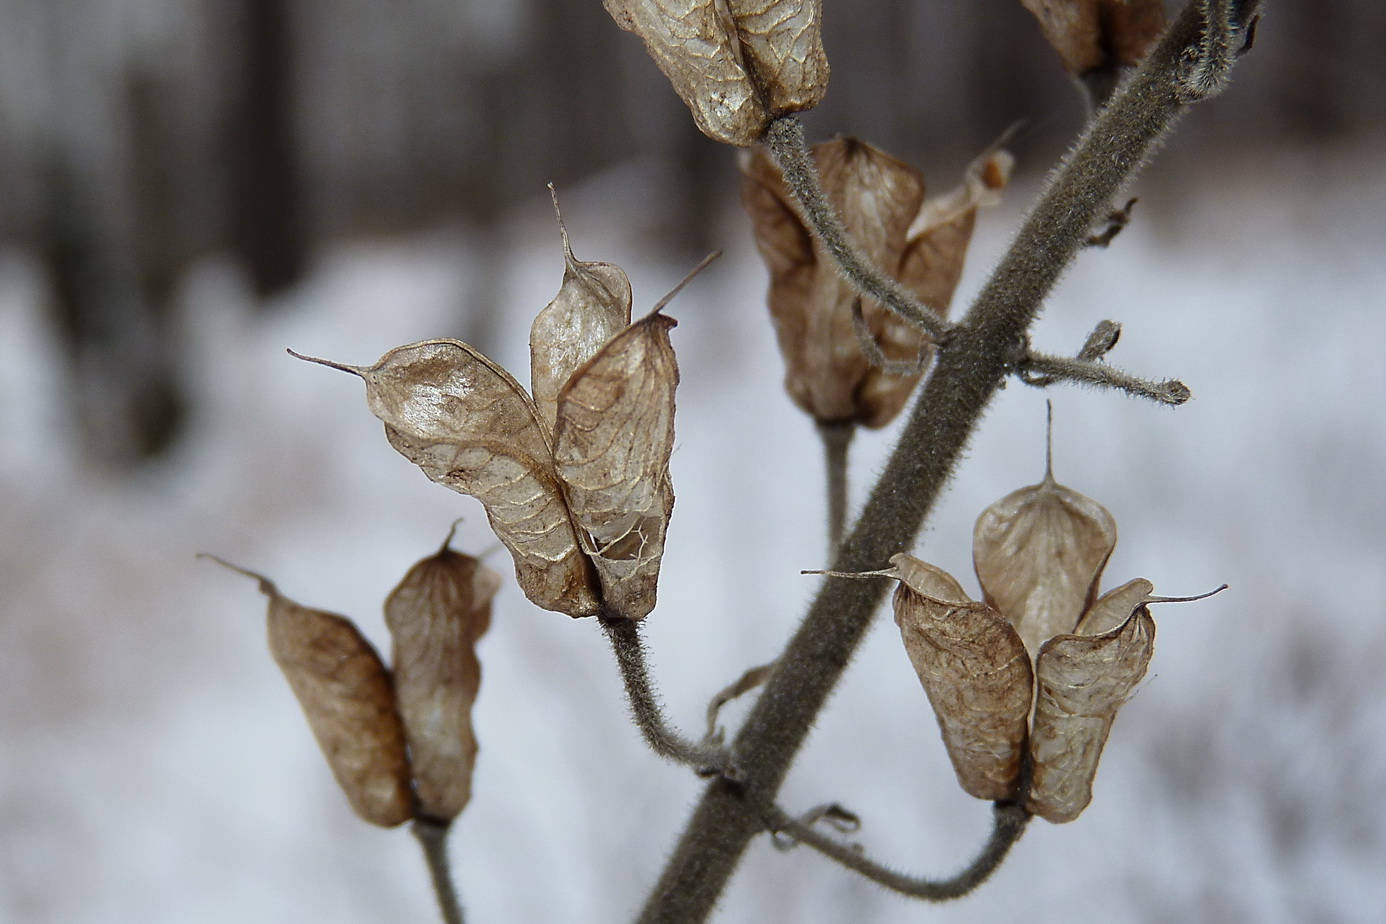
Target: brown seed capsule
<point>1082,681</point>
<point>922,243</point>
<point>470,426</point>
<point>1099,35</point>
<point>612,444</point>
<point>436,616</point>
<point>976,673</point>
<point>736,63</point>
<point>347,697</point>
<point>1039,554</point>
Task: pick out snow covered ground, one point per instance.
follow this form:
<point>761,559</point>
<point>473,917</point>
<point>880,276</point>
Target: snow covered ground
<point>154,767</point>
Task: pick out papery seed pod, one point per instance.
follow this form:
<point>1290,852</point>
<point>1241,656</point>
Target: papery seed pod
<point>592,307</point>
<point>1039,554</point>
<point>612,442</point>
<point>348,699</point>
<point>921,243</point>
<point>1082,681</point>
<point>470,426</point>
<point>976,673</point>
<point>1099,35</point>
<point>736,64</point>
<point>436,616</point>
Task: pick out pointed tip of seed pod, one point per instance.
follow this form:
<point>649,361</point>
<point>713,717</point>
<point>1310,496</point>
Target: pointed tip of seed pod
<point>704,264</point>
<point>343,367</point>
<point>1048,443</point>
<point>452,531</point>
<point>266,585</point>
<point>1203,596</point>
<point>570,261</point>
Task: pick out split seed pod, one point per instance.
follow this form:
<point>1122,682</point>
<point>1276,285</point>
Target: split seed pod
<point>575,482</point>
<point>348,699</point>
<point>737,64</point>
<point>436,616</point>
<point>1039,554</point>
<point>922,243</point>
<point>1098,38</point>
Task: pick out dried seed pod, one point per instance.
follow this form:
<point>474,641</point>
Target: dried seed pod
<point>1082,682</point>
<point>736,63</point>
<point>1039,554</point>
<point>884,212</point>
<point>1099,35</point>
<point>347,697</point>
<point>436,616</point>
<point>976,673</point>
<point>470,426</point>
<point>592,306</point>
<point>612,442</point>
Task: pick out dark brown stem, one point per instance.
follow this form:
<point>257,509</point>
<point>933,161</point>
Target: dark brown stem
<point>981,351</point>
<point>432,835</point>
<point>1008,824</point>
<point>837,439</point>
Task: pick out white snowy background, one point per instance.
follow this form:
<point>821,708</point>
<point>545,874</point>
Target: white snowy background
<point>155,768</point>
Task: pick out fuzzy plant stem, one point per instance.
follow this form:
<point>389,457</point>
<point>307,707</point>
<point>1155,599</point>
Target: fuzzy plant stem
<point>973,365</point>
<point>433,838</point>
<point>707,758</point>
<point>1008,824</point>
<point>837,438</point>
<point>1095,374</point>
<point>785,140</point>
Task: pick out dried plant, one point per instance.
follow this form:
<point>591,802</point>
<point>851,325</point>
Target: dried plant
<point>574,474</point>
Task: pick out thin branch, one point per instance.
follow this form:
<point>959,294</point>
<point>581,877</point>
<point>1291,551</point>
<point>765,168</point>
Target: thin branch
<point>1042,369</point>
<point>707,758</point>
<point>432,835</point>
<point>980,352</point>
<point>1008,824</point>
<point>744,684</point>
<point>837,439</point>
<point>784,138</point>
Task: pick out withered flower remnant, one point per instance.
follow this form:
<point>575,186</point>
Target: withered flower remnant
<point>737,64</point>
<point>575,481</point>
<point>922,242</point>
<point>1098,39</point>
<point>436,616</point>
<point>1041,635</point>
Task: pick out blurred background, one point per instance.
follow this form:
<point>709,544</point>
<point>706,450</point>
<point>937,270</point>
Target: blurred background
<point>187,188</point>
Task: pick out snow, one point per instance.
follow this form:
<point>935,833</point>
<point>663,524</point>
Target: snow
<point>154,767</point>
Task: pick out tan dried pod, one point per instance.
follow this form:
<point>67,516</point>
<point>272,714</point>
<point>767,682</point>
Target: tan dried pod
<point>612,442</point>
<point>436,616</point>
<point>1082,681</point>
<point>878,198</point>
<point>1099,35</point>
<point>470,426</point>
<point>1039,554</point>
<point>976,673</point>
<point>592,306</point>
<point>348,699</point>
<point>735,63</point>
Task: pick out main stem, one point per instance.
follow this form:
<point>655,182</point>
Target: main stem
<point>969,371</point>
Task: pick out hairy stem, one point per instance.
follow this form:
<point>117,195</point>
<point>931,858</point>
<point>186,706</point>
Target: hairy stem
<point>1008,824</point>
<point>706,758</point>
<point>785,140</point>
<point>1042,369</point>
<point>837,438</point>
<point>970,368</point>
<point>433,838</point>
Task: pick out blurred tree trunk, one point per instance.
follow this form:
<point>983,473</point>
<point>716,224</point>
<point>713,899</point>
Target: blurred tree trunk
<point>268,229</point>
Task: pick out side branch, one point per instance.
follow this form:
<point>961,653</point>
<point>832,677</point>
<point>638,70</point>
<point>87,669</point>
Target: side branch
<point>980,353</point>
<point>1008,824</point>
<point>1041,369</point>
<point>706,757</point>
